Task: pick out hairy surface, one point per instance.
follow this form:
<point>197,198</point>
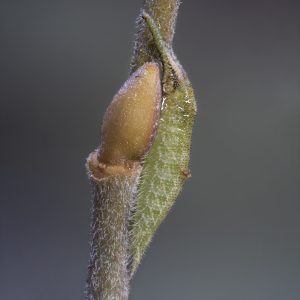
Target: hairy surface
<point>164,14</point>
<point>107,273</point>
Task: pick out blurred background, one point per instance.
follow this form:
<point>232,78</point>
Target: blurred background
<point>234,233</point>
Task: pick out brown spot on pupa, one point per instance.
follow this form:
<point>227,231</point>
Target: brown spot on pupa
<point>186,173</point>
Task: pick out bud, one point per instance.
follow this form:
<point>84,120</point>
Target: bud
<point>131,119</point>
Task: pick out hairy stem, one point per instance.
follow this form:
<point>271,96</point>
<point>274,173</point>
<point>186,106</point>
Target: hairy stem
<point>164,14</point>
<point>112,201</point>
<point>127,133</point>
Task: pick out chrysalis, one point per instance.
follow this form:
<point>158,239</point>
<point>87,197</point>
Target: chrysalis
<point>166,167</point>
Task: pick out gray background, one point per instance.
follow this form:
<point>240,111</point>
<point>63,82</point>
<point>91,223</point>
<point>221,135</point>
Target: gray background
<point>234,232</point>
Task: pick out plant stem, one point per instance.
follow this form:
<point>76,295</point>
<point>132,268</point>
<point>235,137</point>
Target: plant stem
<point>112,201</point>
<point>164,14</point>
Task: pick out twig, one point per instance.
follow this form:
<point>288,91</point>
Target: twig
<point>142,162</point>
